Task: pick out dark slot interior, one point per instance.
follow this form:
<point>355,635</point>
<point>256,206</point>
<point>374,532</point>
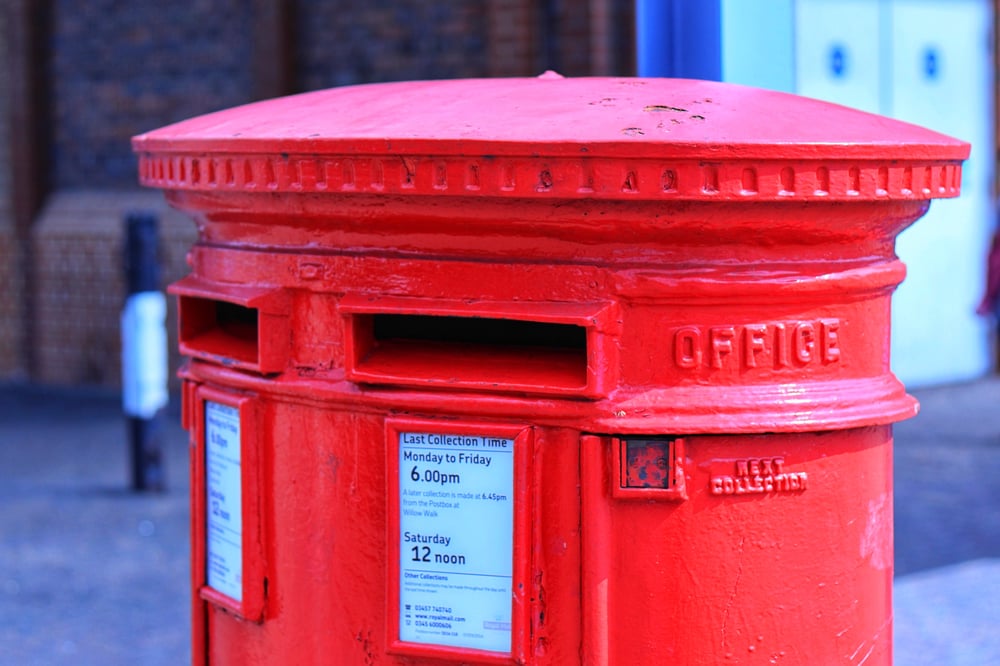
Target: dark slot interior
<point>479,331</point>
<point>237,321</point>
<point>471,352</point>
<point>219,329</point>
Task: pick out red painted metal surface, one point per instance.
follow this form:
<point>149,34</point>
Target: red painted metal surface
<point>663,303</point>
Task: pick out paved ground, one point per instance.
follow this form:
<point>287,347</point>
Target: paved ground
<point>947,596</point>
<point>91,574</point>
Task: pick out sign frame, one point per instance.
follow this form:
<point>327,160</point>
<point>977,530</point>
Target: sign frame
<point>251,606</point>
<point>677,490</point>
<point>522,435</point>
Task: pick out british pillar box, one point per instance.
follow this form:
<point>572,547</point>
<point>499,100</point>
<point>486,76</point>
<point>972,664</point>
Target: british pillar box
<point>543,371</point>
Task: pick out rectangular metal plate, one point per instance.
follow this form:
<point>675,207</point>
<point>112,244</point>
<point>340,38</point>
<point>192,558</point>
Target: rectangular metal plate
<point>223,502</point>
<point>648,463</point>
<point>648,468</point>
<point>456,534</point>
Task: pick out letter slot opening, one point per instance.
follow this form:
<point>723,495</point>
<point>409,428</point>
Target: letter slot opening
<point>219,329</point>
<point>234,325</point>
<point>480,331</point>
<point>495,354</point>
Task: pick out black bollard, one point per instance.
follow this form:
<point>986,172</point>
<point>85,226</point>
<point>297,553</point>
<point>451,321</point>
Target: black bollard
<point>144,351</point>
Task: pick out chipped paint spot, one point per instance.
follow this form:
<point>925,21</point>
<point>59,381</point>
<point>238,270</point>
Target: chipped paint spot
<point>876,542</point>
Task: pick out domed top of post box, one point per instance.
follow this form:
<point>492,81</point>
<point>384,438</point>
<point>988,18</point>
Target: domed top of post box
<point>771,278</point>
<point>652,139</point>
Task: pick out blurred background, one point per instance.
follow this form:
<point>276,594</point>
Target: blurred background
<point>78,78</point>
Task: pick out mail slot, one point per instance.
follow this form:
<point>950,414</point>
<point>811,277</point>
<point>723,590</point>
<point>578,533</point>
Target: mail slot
<point>507,347</point>
<point>543,372</point>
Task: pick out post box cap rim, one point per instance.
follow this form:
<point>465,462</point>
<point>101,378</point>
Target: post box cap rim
<point>551,136</point>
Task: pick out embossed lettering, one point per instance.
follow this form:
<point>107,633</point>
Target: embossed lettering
<point>804,342</point>
<point>753,343</point>
<point>722,343</point>
<point>758,476</point>
<point>781,346</point>
<point>830,336</point>
<point>778,345</point>
<point>687,347</point>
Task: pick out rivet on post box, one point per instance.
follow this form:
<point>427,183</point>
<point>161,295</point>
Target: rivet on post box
<point>543,371</point>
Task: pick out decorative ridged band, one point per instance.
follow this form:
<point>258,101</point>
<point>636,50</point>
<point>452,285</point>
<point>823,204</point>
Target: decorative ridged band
<point>820,406</point>
<point>557,177</point>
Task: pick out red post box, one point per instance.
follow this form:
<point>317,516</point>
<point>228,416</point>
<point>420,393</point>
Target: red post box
<point>543,371</point>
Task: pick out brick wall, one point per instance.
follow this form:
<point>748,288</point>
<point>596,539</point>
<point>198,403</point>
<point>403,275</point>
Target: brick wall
<point>80,286</point>
<point>10,305</point>
<point>118,69</point>
<point>573,37</point>
<point>121,68</point>
<point>513,38</point>
<point>342,43</point>
<point>10,282</point>
<point>572,30</point>
<point>5,221</point>
<point>592,38</point>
